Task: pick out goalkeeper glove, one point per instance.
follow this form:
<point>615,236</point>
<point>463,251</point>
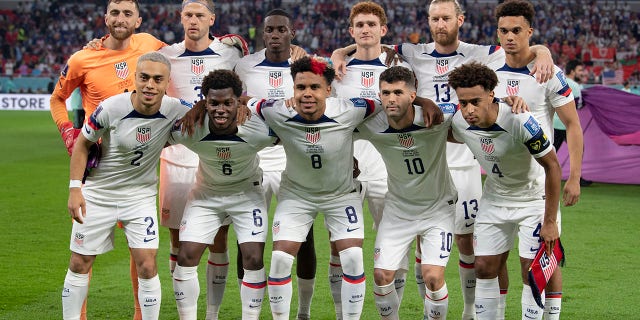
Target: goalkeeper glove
<point>236,41</point>
<point>69,135</point>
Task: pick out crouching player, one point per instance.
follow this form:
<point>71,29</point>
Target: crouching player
<point>228,183</point>
<point>519,194</point>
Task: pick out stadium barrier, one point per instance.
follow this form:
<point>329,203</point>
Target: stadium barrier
<point>26,102</point>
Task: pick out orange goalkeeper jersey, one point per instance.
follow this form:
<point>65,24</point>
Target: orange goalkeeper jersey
<point>99,74</point>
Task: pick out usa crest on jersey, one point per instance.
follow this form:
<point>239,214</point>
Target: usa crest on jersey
<point>442,66</point>
<point>406,140</point>
<point>197,66</point>
<point>275,78</point>
<point>487,145</point>
<point>224,153</point>
<point>143,134</point>
<point>312,135</point>
<point>367,78</point>
<point>122,70</point>
<point>513,87</point>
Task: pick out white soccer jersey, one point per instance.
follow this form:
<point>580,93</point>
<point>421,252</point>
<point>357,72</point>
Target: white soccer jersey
<point>418,175</point>
<point>266,80</point>
<point>131,146</point>
<point>542,99</point>
<point>505,151</point>
<point>362,80</point>
<point>188,68</point>
<point>432,72</point>
<point>319,153</point>
<point>228,163</point>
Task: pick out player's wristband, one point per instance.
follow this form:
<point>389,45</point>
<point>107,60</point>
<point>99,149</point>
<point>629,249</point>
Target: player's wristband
<point>75,184</point>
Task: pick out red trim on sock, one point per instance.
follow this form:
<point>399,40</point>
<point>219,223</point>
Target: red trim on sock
<point>258,285</point>
<point>217,264</point>
<point>503,291</point>
<point>381,295</point>
<point>466,265</point>
<point>354,280</point>
<point>553,296</point>
<point>173,257</point>
<point>418,260</point>
<point>335,265</point>
<point>427,296</point>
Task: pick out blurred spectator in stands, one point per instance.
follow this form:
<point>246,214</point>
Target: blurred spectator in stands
<point>10,86</point>
<point>51,85</point>
<point>626,86</point>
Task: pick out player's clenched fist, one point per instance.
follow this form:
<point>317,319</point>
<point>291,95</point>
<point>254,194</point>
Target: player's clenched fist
<point>69,135</point>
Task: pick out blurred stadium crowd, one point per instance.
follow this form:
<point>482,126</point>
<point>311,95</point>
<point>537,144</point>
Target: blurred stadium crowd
<point>37,37</point>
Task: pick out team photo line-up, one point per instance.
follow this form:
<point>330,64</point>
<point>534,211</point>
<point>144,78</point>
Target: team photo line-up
<point>408,128</point>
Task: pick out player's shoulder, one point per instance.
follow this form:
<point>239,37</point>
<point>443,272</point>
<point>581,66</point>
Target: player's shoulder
<point>174,50</point>
<point>146,41</point>
<point>224,49</point>
<point>85,57</point>
<point>251,60</point>
<point>469,49</point>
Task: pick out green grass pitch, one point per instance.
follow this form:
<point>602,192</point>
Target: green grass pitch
<point>600,236</point>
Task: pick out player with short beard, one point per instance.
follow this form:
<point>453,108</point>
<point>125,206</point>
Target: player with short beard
<point>103,73</point>
<point>421,198</point>
<point>191,60</point>
<point>432,63</point>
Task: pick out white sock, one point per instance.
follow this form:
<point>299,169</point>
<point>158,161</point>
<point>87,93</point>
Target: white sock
<point>280,287</point>
<point>530,309</point>
<point>417,267</point>
<point>387,301</point>
<point>552,305</point>
<point>74,292</point>
<point>217,269</point>
<point>252,293</point>
<point>437,303</point>
<point>335,283</point>
<point>502,305</point>
<point>467,273</point>
<point>150,297</point>
<point>487,297</point>
<point>353,283</point>
<point>305,294</point>
<point>186,289</point>
<point>399,282</point>
<point>173,258</point>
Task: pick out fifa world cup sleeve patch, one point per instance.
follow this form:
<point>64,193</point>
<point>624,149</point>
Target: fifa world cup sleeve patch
<point>532,126</point>
<point>542,268</point>
<point>448,108</point>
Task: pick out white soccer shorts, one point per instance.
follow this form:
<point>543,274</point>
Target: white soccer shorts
<point>206,213</point>
<point>96,235</point>
<point>395,236</point>
<point>468,182</point>
<point>294,217</point>
<point>497,227</point>
<point>175,184</point>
